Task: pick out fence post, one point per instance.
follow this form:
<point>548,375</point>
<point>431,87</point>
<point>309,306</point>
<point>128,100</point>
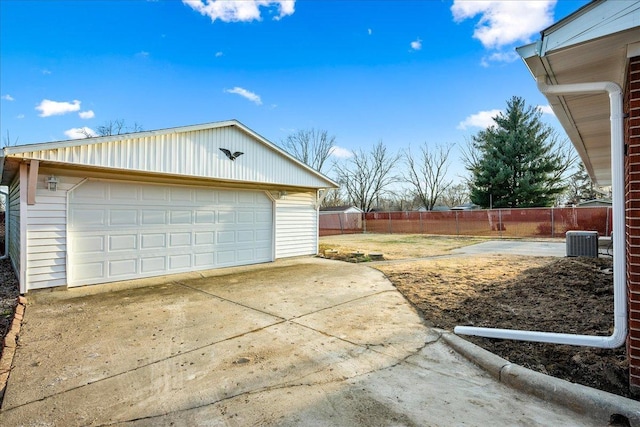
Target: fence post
<point>420,219</point>
<point>340,221</point>
<point>500,221</point>
<point>390,228</point>
<point>606,230</point>
<point>457,225</point>
<point>553,226</point>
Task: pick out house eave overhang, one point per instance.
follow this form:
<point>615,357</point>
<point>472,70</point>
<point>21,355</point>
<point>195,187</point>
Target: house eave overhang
<point>591,45</point>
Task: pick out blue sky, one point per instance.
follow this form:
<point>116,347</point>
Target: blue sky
<point>404,72</point>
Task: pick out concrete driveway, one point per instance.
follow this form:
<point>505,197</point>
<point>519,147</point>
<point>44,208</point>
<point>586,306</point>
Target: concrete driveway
<point>306,342</point>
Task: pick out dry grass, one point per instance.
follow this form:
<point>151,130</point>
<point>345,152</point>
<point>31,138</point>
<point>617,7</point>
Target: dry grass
<point>396,246</point>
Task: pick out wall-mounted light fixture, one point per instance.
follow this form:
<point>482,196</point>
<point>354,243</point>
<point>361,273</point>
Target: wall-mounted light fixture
<point>52,183</point>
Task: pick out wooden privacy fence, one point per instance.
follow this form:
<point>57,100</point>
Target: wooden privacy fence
<point>530,222</point>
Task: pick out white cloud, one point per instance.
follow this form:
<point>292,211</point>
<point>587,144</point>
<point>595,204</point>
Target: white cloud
<point>8,97</point>
<point>245,94</point>
<point>416,44</point>
<point>339,152</point>
<point>87,114</point>
<point>46,72</point>
<point>80,133</point>
<point>54,108</point>
<point>509,56</point>
<point>545,109</point>
<point>219,54</point>
<point>20,116</point>
<point>369,31</point>
<point>240,10</point>
<point>482,119</point>
<point>142,54</point>
<point>503,23</point>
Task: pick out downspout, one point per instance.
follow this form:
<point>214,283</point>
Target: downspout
<point>6,210</point>
<point>6,225</point>
<point>619,335</point>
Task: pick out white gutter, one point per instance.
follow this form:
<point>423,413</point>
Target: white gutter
<point>619,335</point>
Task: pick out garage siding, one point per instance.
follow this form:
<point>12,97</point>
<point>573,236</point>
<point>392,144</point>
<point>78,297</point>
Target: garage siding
<point>46,234</point>
<point>13,222</point>
<point>190,153</point>
<point>296,225</point>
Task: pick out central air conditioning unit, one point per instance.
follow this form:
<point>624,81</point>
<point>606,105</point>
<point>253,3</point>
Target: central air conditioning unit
<point>582,243</point>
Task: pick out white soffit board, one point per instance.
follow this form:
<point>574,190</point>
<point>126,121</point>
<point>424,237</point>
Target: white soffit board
<point>121,231</point>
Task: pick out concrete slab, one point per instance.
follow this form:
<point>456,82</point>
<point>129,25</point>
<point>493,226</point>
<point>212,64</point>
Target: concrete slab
<point>306,342</point>
<point>515,247</point>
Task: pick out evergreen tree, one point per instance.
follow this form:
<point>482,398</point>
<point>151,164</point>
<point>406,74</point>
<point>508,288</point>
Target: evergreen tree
<point>516,162</point>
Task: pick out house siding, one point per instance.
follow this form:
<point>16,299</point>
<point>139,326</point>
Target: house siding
<point>632,217</point>
<point>193,153</point>
<point>47,234</point>
<point>13,222</point>
<point>296,225</point>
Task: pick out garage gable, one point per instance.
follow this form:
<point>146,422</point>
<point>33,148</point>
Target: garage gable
<point>195,151</point>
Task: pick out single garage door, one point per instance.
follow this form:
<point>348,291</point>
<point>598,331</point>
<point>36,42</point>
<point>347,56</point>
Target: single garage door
<point>119,231</point>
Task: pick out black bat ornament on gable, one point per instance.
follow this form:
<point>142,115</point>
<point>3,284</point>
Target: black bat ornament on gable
<point>230,155</point>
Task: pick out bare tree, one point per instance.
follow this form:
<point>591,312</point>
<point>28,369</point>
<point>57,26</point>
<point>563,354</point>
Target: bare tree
<point>116,127</point>
<point>8,142</point>
<point>455,195</point>
<point>312,147</point>
<point>334,198</point>
<point>366,176</point>
<point>427,173</point>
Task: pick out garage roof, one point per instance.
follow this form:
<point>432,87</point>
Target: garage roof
<point>193,151</point>
<point>590,45</point>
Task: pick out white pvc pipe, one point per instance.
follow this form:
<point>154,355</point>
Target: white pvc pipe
<point>619,335</point>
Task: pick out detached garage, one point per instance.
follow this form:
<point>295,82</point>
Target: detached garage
<point>123,207</point>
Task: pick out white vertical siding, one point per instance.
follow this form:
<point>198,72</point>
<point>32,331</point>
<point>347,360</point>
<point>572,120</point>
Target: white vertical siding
<point>46,235</point>
<point>190,153</point>
<point>296,225</point>
<point>13,223</point>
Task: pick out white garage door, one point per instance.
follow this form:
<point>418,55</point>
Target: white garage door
<point>119,231</point>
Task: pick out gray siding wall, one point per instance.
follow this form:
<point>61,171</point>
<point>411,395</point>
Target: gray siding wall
<point>296,225</point>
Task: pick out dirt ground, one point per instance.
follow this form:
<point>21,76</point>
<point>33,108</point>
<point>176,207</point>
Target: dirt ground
<point>567,295</point>
<point>8,298</point>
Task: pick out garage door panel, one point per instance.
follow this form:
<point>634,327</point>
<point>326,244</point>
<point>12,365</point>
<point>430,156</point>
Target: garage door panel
<point>89,244</point>
<point>154,217</point>
<point>179,239</point>
<point>122,231</point>
<point>88,217</point>
<point>156,264</point>
<point>123,217</point>
<point>122,192</point>
<point>88,270</point>
<point>123,267</point>
<point>124,242</point>
<point>153,240</point>
<point>154,193</point>
<point>205,217</point>
<point>204,238</point>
